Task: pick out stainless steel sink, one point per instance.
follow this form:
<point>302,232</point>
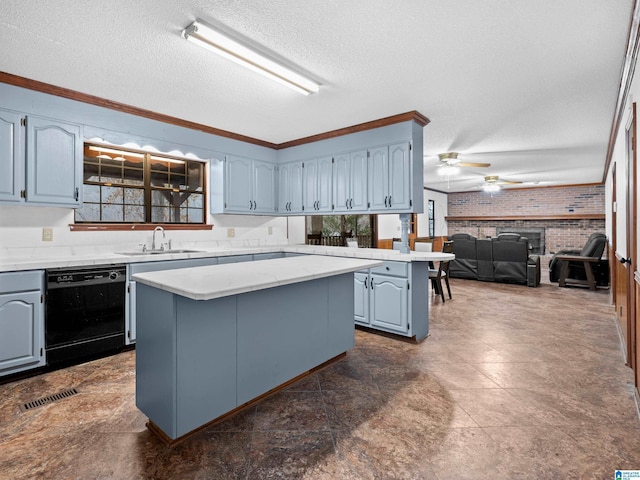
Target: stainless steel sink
<point>158,252</point>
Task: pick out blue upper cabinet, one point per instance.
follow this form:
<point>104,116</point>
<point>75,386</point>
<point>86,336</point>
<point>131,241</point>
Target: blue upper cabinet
<point>290,181</point>
<point>54,162</point>
<point>318,185</point>
<point>264,187</point>
<point>11,157</point>
<point>47,169</point>
<point>249,186</point>
<point>390,177</point>
<point>378,178</point>
<point>350,182</point>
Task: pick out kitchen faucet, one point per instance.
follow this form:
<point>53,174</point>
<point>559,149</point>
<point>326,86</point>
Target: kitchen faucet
<point>153,241</point>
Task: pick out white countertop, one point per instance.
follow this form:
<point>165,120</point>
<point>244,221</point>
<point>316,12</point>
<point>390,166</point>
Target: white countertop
<point>215,281</point>
<point>75,257</point>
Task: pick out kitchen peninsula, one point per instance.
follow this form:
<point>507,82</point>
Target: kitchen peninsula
<point>213,338</point>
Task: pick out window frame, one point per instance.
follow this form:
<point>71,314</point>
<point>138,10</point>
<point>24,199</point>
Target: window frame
<point>147,158</point>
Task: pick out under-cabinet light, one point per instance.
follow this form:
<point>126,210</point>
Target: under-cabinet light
<point>168,160</point>
<point>94,148</point>
<point>233,49</point>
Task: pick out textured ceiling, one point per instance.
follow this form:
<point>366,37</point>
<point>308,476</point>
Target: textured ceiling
<point>526,85</point>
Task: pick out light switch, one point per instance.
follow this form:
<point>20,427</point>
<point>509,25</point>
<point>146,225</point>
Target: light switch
<point>270,230</point>
<point>231,232</point>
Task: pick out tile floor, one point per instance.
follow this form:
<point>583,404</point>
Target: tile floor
<point>513,383</point>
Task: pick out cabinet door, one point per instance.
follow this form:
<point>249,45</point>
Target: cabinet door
<point>264,187</point>
<point>378,178</point>
<point>389,303</point>
<point>11,157</point>
<point>325,183</point>
<point>310,186</point>
<point>238,184</point>
<point>341,182</point>
<point>361,298</point>
<point>359,194</point>
<point>54,162</point>
<point>399,176</point>
<point>283,189</point>
<point>295,188</point>
<point>20,331</point>
<point>130,317</point>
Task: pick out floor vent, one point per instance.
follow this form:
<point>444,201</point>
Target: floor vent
<point>48,399</point>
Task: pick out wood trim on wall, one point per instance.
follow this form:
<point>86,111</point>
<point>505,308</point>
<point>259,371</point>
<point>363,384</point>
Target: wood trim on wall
<point>383,122</point>
<point>535,187</point>
<point>35,85</point>
<point>121,107</point>
<point>626,78</point>
<point>586,216</point>
<point>93,227</point>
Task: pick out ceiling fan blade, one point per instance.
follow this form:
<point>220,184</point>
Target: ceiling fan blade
<point>505,182</point>
<point>468,164</point>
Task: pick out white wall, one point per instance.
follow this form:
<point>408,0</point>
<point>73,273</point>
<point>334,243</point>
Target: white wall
<point>21,231</point>
<point>389,225</point>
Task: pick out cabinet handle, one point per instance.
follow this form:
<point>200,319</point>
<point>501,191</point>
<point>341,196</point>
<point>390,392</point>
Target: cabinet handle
<point>76,194</point>
<point>351,203</point>
<point>346,203</point>
<point>385,201</point>
<point>389,201</point>
<point>317,204</point>
<point>255,205</point>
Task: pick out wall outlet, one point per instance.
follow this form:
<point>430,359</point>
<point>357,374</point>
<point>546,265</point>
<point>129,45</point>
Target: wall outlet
<point>47,234</point>
<point>270,229</point>
<point>231,232</point>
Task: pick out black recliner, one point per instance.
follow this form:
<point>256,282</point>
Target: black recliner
<point>465,264</point>
<point>594,247</point>
<point>512,262</point>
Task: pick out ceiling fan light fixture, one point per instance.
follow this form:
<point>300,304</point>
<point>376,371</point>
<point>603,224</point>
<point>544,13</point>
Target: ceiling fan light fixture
<point>491,187</point>
<point>451,158</point>
<point>233,49</point>
<point>448,170</point>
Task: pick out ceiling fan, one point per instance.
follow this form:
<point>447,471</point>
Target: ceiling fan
<point>492,183</point>
<point>450,159</point>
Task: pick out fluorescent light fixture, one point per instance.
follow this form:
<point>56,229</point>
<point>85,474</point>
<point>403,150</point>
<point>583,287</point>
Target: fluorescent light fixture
<point>233,49</point>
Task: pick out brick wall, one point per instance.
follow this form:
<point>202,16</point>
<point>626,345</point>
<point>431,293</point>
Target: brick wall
<point>588,199</point>
<point>559,234</point>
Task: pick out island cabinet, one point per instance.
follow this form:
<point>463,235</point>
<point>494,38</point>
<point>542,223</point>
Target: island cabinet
<point>350,182</point>
<point>290,188</point>
<point>249,186</point>
<point>21,321</point>
<point>130,299</point>
<point>213,339</point>
<point>389,183</point>
<point>40,160</point>
<point>393,298</point>
<point>318,185</point>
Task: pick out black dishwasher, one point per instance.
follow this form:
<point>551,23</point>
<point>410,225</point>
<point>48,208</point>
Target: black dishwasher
<point>84,313</point>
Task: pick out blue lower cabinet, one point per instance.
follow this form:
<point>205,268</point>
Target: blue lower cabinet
<point>393,298</point>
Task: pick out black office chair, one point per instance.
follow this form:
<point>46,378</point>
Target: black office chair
<point>442,272</point>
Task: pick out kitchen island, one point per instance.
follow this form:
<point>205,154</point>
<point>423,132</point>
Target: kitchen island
<point>213,339</point>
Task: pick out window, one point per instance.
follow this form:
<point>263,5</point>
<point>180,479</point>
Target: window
<point>335,229</point>
<point>431,218</point>
<point>132,186</point>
